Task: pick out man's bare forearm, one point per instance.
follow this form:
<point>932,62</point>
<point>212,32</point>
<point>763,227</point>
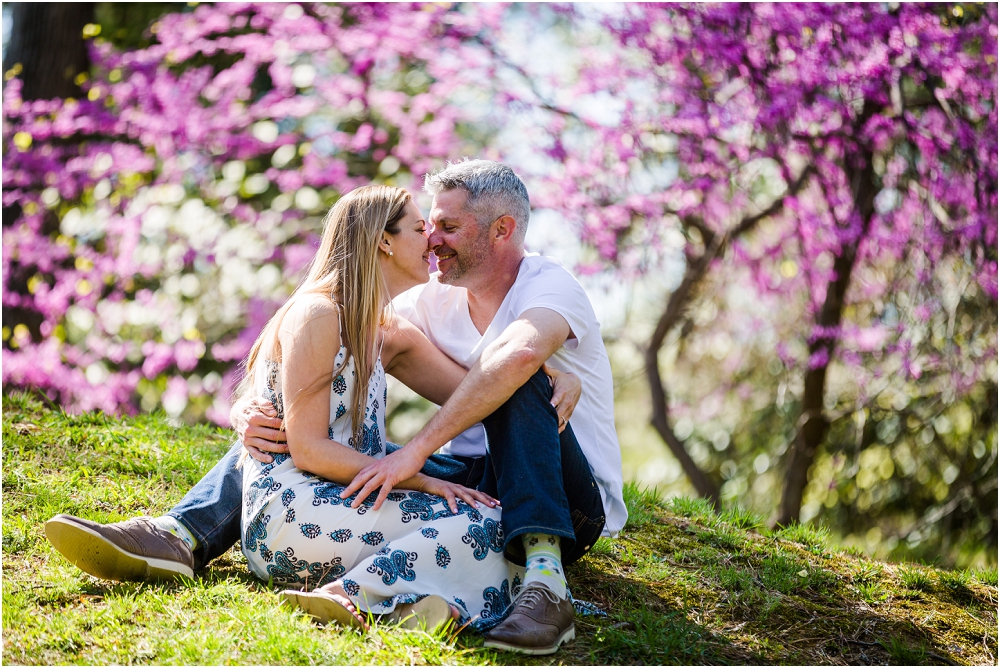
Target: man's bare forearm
<point>487,386</point>
<point>504,366</point>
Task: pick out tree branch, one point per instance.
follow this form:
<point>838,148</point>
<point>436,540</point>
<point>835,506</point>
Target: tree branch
<point>715,246</point>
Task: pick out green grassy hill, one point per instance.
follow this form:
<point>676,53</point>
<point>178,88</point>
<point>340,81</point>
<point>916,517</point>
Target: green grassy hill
<point>682,584</point>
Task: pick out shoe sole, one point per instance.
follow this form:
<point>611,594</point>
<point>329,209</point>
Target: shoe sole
<point>322,608</point>
<point>94,554</point>
<point>429,614</point>
<point>568,634</point>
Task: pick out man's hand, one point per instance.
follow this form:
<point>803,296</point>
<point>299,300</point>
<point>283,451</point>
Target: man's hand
<point>385,473</point>
<point>449,491</point>
<point>257,425</point>
<point>566,390</point>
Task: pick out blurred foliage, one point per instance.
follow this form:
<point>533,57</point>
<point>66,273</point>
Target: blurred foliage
<point>908,470</point>
<point>127,24</point>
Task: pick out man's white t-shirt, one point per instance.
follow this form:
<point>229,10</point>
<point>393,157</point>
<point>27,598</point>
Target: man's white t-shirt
<point>442,313</point>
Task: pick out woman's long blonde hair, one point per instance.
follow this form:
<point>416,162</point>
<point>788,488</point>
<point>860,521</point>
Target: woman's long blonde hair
<point>346,270</point>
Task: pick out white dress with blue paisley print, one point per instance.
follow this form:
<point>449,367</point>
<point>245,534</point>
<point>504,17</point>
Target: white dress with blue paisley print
<point>298,532</point>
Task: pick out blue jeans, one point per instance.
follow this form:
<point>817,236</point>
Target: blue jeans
<point>541,478</point>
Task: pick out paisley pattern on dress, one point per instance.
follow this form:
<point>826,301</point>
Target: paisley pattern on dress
<point>372,538</point>
<point>397,564</point>
<point>484,537</point>
<point>497,601</point>
<point>272,393</point>
<point>420,506</point>
<point>341,535</point>
<point>442,556</point>
<point>371,441</point>
<point>287,569</point>
<point>327,492</point>
<point>298,532</point>
<point>310,530</point>
<point>255,531</point>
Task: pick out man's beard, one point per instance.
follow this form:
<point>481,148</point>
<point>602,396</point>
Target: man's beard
<point>467,262</point>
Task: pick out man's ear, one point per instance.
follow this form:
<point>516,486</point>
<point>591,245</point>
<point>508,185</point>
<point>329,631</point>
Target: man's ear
<point>504,228</point>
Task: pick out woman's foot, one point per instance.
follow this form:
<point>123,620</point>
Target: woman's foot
<point>429,613</point>
<point>326,604</point>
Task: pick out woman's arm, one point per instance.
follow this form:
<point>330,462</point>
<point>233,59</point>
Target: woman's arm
<point>416,362</point>
<point>310,338</point>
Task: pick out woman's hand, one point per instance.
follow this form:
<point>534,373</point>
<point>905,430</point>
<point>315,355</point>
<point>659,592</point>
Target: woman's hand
<point>566,390</point>
<point>257,425</point>
<point>449,491</point>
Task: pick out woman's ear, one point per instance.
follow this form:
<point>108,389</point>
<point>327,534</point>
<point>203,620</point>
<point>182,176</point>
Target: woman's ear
<point>385,245</point>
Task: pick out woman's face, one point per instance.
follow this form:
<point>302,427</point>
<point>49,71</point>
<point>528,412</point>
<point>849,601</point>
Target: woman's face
<point>409,263</point>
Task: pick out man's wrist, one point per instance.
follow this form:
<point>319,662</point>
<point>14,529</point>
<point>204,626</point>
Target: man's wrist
<point>422,447</point>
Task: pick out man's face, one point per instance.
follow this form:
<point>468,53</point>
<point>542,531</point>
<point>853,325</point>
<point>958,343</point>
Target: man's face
<point>461,246</point>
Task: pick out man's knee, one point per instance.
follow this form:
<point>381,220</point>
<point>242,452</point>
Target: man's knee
<point>538,386</point>
<point>534,395</point>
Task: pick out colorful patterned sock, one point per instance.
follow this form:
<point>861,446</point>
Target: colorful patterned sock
<point>544,562</point>
<point>168,523</point>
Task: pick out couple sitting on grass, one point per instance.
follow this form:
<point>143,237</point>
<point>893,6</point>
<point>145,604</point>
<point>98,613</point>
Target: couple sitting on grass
<point>506,342</point>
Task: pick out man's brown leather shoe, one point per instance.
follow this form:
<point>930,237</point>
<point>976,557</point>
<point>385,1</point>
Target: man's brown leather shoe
<point>135,549</point>
<point>538,624</point>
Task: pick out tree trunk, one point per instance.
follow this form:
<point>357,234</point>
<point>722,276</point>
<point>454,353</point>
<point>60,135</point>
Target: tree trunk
<point>47,40</point>
<point>715,246</point>
<point>814,425</point>
<point>704,485</point>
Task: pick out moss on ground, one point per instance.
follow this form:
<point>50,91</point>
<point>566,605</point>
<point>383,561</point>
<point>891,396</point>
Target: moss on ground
<point>682,583</point>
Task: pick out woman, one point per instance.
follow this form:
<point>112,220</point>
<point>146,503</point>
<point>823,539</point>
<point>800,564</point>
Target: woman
<point>296,528</point>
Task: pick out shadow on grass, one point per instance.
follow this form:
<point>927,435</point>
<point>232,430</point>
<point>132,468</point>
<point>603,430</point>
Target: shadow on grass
<point>643,627</point>
<point>680,594</point>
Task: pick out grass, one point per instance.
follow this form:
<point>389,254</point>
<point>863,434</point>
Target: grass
<point>986,576</point>
<point>812,538</point>
<point>683,584</point>
<point>916,579</point>
<point>903,654</point>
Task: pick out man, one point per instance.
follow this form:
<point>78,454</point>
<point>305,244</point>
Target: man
<point>501,313</point>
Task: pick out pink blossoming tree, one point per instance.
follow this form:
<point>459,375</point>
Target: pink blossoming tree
<point>160,219</point>
<point>838,161</point>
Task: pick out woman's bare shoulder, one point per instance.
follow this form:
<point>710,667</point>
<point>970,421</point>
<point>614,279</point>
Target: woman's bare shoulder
<point>311,312</point>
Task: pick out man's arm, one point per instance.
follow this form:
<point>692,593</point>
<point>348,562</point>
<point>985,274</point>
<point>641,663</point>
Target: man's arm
<point>258,427</point>
<point>504,366</point>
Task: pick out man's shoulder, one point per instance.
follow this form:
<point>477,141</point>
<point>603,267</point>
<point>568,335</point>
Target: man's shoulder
<point>546,270</point>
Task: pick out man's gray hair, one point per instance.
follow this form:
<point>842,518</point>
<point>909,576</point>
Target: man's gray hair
<point>493,190</point>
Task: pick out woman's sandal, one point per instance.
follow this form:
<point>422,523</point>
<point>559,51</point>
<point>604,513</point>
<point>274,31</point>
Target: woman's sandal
<point>324,607</point>
<point>429,613</point>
